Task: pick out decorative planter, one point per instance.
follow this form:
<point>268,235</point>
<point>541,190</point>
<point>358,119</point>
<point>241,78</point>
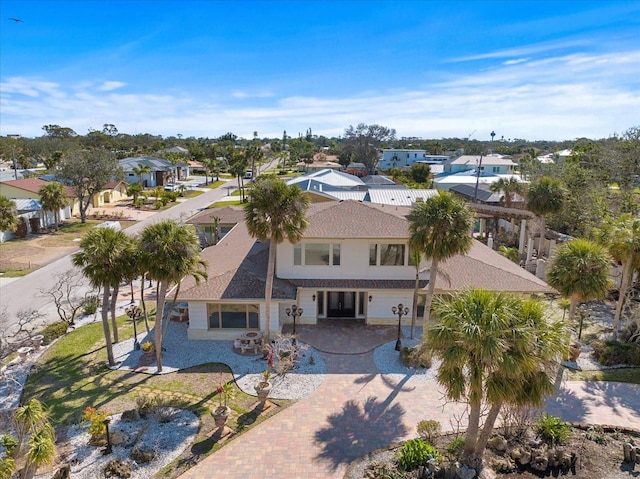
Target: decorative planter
<point>263,388</point>
<point>36,341</point>
<point>221,415</point>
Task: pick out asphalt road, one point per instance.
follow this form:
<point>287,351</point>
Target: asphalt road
<point>24,293</point>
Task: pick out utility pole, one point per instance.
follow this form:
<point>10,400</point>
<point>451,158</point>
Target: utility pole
<point>15,166</point>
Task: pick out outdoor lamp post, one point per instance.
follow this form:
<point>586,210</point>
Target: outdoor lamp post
<point>294,312</point>
<point>108,449</point>
<point>400,310</point>
<point>134,312</point>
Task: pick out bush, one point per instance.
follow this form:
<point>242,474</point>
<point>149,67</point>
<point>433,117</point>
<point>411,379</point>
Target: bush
<point>414,453</point>
<point>96,419</point>
<point>416,357</point>
<point>610,353</point>
<point>552,429</point>
<point>90,304</point>
<point>456,447</point>
<point>54,331</point>
<point>428,430</point>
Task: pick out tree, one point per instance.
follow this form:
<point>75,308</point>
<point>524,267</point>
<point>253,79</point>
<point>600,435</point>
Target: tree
<point>87,172</point>
<point>301,150</point>
<point>275,212</point>
<point>496,349</point>
<point>508,187</point>
<point>8,214</point>
<point>361,144</point>
<point>579,270</point>
<point>439,229</point>
<point>170,251</point>
<point>33,445</point>
<point>134,190</point>
<point>52,161</point>
<point>420,172</point>
<point>57,131</point>
<point>237,168</point>
<point>99,258</point>
<point>140,171</point>
<point>254,155</point>
<point>53,197</point>
<point>622,237</point>
<point>64,293</point>
<point>545,196</point>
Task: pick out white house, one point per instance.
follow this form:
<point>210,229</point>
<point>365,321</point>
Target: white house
<point>405,158</point>
<point>352,263</point>
<point>160,170</point>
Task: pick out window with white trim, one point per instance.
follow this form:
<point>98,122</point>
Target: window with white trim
<point>316,254</point>
<point>233,316</point>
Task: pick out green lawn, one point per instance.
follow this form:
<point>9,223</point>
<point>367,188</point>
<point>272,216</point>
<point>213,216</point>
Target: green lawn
<point>72,375</point>
<point>625,375</point>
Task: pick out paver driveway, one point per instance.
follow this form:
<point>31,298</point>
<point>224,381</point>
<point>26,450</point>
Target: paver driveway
<point>357,410</point>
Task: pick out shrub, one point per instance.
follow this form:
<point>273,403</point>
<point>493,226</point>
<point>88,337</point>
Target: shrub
<point>428,430</point>
<point>158,204</point>
<point>90,304</point>
<point>414,453</point>
<point>54,331</point>
<point>456,446</point>
<point>610,353</point>
<point>96,419</point>
<point>552,429</point>
<point>148,346</point>
<point>416,357</point>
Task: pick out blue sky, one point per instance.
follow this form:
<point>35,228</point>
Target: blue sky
<point>533,70</point>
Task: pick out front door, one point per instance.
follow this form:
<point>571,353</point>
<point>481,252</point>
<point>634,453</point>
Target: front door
<point>341,304</point>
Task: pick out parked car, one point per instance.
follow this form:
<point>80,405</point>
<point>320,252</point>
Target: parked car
<point>170,187</point>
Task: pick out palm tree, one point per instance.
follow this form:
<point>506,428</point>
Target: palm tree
<point>275,212</point>
<point>439,229</point>
<point>622,237</point>
<point>34,443</point>
<point>238,169</point>
<point>8,214</point>
<point>131,269</point>
<point>496,349</point>
<point>134,190</point>
<point>170,251</point>
<point>509,187</point>
<point>579,270</point>
<point>545,196</point>
<point>141,170</point>
<point>53,197</point>
<point>100,257</point>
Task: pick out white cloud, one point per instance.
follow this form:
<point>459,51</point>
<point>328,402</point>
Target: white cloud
<point>111,85</point>
<point>562,97</point>
<point>241,95</point>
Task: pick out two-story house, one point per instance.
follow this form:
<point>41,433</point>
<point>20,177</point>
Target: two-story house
<point>352,263</point>
<point>405,158</point>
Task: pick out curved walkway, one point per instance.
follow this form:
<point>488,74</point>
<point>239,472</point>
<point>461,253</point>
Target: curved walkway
<point>357,410</point>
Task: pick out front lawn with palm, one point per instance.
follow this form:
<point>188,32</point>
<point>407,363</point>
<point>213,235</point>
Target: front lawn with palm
<point>72,375</point>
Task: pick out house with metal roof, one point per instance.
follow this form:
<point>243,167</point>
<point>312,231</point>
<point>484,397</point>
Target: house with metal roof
<point>160,173</point>
<point>352,263</point>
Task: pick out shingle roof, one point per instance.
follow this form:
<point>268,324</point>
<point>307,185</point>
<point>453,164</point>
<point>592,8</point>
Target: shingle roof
<point>227,215</point>
<point>237,270</point>
<point>484,268</point>
<point>33,185</point>
<point>155,164</point>
<point>352,219</point>
<point>238,264</point>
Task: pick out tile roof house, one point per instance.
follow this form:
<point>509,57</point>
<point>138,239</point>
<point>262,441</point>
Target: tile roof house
<point>352,262</point>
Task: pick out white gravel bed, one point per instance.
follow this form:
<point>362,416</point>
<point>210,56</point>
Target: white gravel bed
<point>387,359</point>
<point>182,353</point>
<point>168,440</point>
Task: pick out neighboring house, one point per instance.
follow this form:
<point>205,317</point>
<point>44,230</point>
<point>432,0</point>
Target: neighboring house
<point>160,171</point>
<point>353,263</point>
<point>330,185</point>
<point>113,192</point>
<point>30,211</point>
<point>446,182</point>
<point>321,161</point>
<point>28,188</point>
<point>491,164</point>
<point>485,196</point>
<point>357,169</point>
<point>405,158</point>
